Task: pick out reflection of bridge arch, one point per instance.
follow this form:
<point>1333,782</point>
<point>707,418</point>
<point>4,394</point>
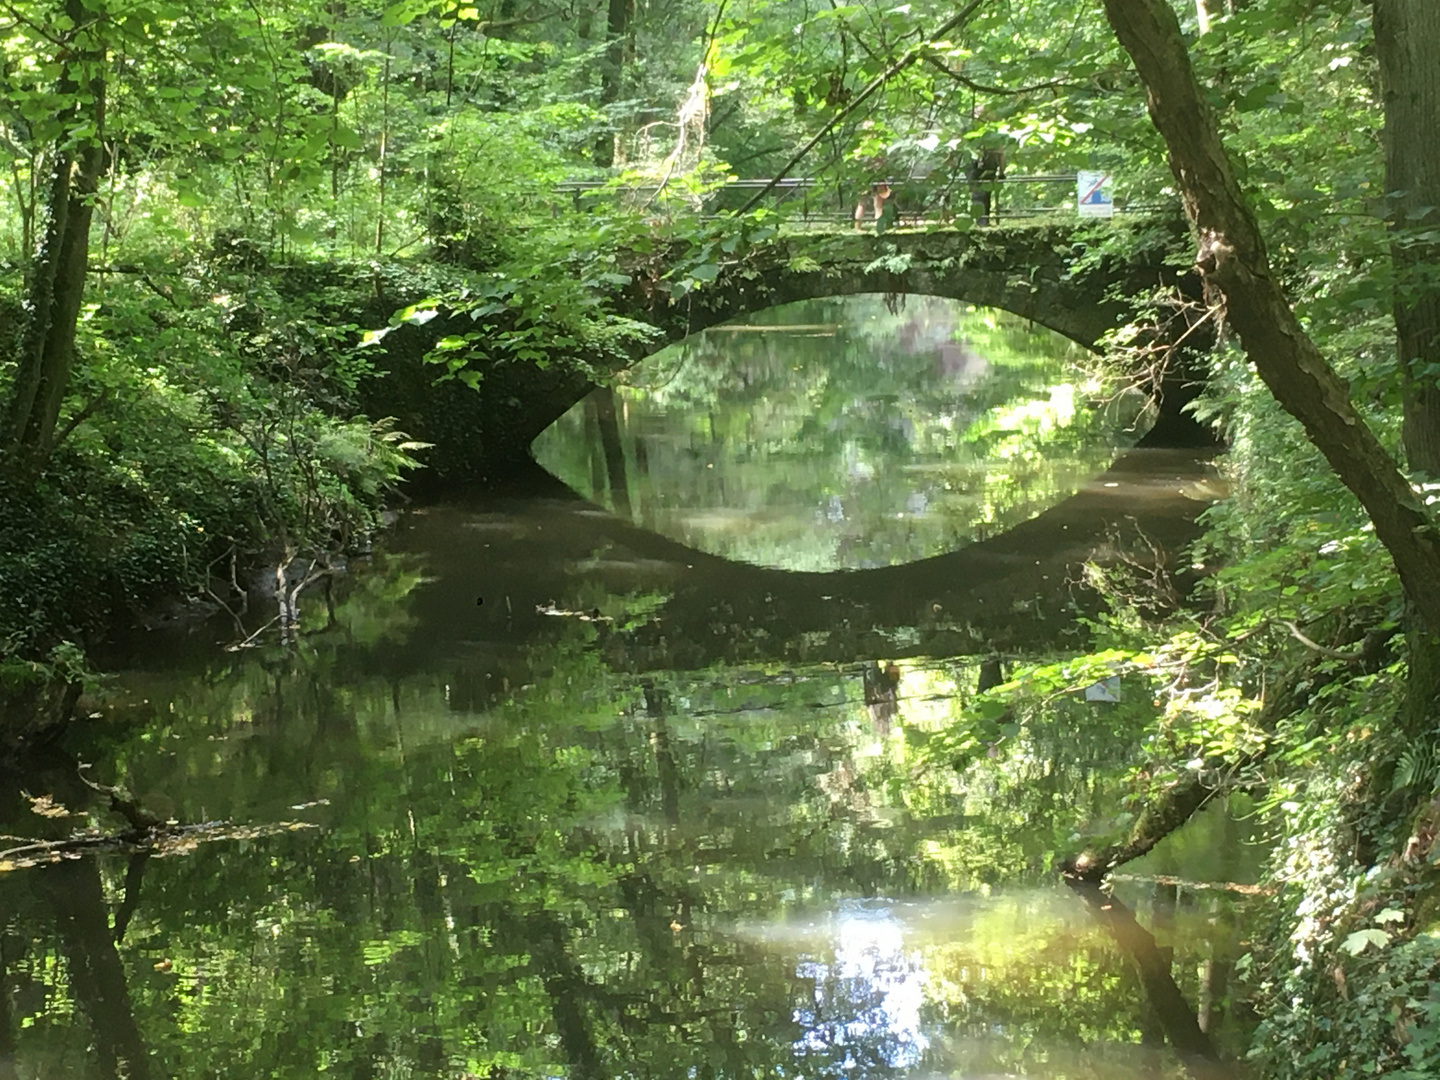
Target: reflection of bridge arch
<point>1015,592</point>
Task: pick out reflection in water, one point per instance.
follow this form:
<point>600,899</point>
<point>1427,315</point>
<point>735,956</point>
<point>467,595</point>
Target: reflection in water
<point>528,865</point>
<point>586,803</point>
<point>861,437</point>
<point>868,992</point>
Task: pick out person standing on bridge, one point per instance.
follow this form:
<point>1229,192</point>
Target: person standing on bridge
<point>876,196</point>
<point>987,165</point>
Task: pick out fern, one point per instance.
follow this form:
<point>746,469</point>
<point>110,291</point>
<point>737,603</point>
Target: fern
<point>1417,768</point>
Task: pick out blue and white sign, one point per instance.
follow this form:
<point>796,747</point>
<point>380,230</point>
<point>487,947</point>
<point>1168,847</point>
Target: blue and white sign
<point>1092,194</point>
<point>1104,690</point>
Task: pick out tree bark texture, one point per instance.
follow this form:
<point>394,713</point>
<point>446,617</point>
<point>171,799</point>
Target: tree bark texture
<point>1232,258</point>
<point>1407,45</point>
<point>57,276</point>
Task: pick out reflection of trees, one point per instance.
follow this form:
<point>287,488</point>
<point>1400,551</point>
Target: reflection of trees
<point>8,1069</point>
<point>867,433</point>
<point>1153,964</point>
<point>573,870</point>
<point>72,890</point>
<point>614,452</point>
<point>880,684</point>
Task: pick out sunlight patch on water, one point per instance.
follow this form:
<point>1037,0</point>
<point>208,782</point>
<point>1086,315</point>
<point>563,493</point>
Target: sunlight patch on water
<point>867,993</point>
<point>891,985</point>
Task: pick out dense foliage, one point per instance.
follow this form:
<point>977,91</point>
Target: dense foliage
<point>213,211</point>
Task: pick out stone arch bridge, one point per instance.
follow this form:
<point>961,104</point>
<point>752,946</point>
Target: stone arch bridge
<point>1059,275</point>
<point>1051,274</point>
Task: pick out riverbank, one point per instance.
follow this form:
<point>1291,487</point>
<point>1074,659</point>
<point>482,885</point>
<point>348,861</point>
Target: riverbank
<point>232,420</point>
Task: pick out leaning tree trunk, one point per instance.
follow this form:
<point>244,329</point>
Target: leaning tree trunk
<point>57,274</point>
<point>1233,260</point>
<point>1407,44</point>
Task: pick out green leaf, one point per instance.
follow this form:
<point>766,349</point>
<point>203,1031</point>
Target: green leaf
<point>407,11</point>
<point>1361,940</point>
<point>418,314</point>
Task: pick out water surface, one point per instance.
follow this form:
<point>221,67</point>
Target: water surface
<point>529,863</point>
<point>545,794</point>
<point>846,433</point>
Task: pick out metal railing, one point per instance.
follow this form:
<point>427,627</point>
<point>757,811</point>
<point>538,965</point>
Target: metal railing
<point>916,200</point>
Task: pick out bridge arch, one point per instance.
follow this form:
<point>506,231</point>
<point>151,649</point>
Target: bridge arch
<point>1053,274</point>
<point>1048,274</point>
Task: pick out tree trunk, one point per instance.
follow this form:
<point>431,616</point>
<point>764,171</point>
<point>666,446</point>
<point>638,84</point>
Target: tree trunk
<point>1407,44</point>
<point>612,70</point>
<point>1206,12</point>
<point>57,276</point>
<point>1233,260</point>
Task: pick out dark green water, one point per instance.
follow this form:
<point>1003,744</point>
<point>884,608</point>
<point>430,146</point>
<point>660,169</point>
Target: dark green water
<point>550,796</point>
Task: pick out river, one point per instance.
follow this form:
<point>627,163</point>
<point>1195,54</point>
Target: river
<point>657,774</point>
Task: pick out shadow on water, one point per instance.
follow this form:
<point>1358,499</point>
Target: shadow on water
<point>1017,591</point>
<point>553,795</point>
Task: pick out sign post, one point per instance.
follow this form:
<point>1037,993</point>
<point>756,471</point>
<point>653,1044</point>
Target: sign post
<point>1092,194</point>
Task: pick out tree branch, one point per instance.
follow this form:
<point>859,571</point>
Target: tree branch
<point>80,417</point>
<point>905,61</point>
<point>1000,91</point>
